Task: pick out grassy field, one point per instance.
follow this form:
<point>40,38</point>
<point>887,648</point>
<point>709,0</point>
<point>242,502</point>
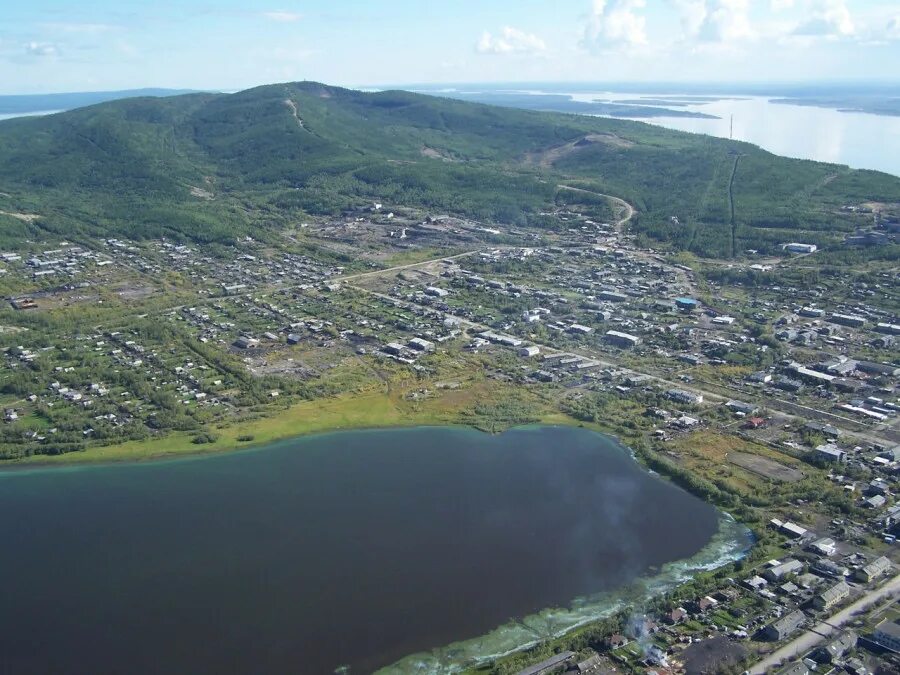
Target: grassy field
<point>417,255</point>
<point>706,453</point>
<point>344,412</point>
<point>368,409</point>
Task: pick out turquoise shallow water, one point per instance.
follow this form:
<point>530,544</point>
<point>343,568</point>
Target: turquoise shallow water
<point>355,548</point>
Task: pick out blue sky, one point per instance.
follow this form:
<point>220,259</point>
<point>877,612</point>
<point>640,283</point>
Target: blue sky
<point>55,45</point>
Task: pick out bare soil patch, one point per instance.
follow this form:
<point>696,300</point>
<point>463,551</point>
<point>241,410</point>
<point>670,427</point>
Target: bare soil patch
<point>26,217</point>
<point>201,193</point>
<point>765,467</point>
<point>436,154</point>
<point>552,155</point>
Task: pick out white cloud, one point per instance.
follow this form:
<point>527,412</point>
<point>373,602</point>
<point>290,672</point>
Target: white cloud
<point>892,30</point>
<point>693,12</point>
<point>716,24</point>
<point>830,18</point>
<point>282,16</point>
<point>41,49</point>
<point>781,5</point>
<point>80,28</point>
<point>726,21</point>
<point>617,23</point>
<point>510,41</point>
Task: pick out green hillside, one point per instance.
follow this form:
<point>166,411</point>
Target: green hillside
<point>212,167</point>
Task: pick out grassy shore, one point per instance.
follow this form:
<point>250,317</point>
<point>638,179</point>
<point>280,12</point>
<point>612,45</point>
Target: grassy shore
<point>308,417</point>
<point>359,410</point>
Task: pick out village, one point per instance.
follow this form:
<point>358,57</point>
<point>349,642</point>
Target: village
<point>771,384</point>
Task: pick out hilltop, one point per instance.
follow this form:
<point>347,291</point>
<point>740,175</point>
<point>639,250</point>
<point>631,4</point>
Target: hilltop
<point>212,167</point>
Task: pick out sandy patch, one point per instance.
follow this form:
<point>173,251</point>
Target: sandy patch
<point>26,217</point>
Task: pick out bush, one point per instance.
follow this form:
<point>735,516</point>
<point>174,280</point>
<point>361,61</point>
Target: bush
<point>201,439</point>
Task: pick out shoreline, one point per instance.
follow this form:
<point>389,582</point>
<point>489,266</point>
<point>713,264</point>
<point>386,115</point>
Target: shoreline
<point>732,541</point>
<point>348,412</point>
<point>328,415</point>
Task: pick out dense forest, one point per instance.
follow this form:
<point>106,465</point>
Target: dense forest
<point>212,167</point>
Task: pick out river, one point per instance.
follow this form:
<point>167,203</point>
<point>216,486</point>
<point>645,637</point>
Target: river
<point>352,548</point>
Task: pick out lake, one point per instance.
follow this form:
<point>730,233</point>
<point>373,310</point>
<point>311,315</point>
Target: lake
<point>351,548</point>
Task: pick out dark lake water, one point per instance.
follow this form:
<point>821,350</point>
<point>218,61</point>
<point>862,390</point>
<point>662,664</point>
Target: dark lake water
<point>351,548</point>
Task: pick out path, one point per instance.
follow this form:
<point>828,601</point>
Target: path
<point>737,159</point>
<point>293,106</point>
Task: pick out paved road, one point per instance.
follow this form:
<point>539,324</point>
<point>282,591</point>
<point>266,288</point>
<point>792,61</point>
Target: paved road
<point>605,360</point>
<point>547,348</point>
<point>388,270</point>
<point>811,638</point>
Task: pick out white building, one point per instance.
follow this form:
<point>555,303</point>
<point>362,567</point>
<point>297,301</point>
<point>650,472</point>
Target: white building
<point>795,247</point>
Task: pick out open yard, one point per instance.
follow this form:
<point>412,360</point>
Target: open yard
<point>765,467</point>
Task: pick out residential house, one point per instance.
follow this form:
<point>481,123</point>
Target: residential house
<point>831,596</point>
<point>783,570</point>
<point>795,668</point>
<point>831,453</point>
<point>620,339</point>
<point>703,605</point>
<point>887,635</point>
<point>785,626</point>
<point>873,570</point>
<point>836,648</point>
<point>421,345</point>
<point>825,546</point>
<point>676,616</point>
<point>684,396</point>
<point>741,407</point>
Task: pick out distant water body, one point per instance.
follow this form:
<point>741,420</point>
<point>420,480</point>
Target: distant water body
<point>357,548</point>
<point>35,113</point>
<point>858,140</point>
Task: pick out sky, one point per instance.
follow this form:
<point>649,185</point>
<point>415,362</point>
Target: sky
<point>96,45</point>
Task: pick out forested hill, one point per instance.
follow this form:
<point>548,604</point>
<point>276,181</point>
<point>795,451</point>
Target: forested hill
<point>211,167</point>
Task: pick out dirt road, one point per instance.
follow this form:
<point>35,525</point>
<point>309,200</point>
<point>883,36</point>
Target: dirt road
<point>628,208</point>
